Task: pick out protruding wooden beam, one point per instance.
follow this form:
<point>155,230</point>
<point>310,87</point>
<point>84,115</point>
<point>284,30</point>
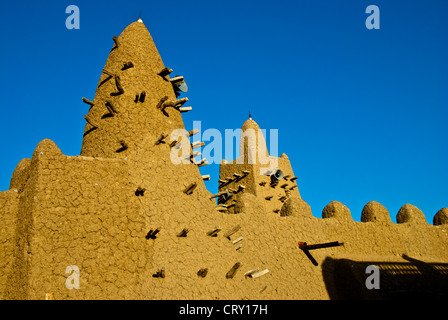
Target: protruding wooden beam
<point>189,190</point>
<point>305,246</point>
<point>161,139</point>
<point>112,109</point>
<point>203,160</point>
<point>237,240</point>
<point>90,121</point>
<point>195,154</point>
<point>124,146</point>
<point>197,144</point>
<point>246,172</point>
<point>238,247</point>
<point>177,79</point>
<point>221,208</point>
<point>161,102</point>
<point>258,274</point>
<point>250,272</point>
<point>232,231</point>
<point>231,273</point>
<point>87,101</point>
<point>218,194</point>
<point>203,164</point>
<point>117,44</point>
<point>213,232</point>
<point>293,179</point>
<point>183,233</point>
<point>160,273</point>
<point>164,72</point>
<point>268,197</point>
<point>202,272</point>
<point>206,177</point>
<point>110,74</point>
<point>193,132</point>
<point>185,109</point>
<point>118,84</point>
<point>152,233</point>
<point>174,143</point>
<point>140,192</point>
<point>284,185</point>
<point>174,104</point>
<point>127,65</point>
<point>142,97</point>
<point>282,198</point>
<point>263,183</point>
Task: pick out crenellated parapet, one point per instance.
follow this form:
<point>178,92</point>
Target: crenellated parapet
<point>375,212</point>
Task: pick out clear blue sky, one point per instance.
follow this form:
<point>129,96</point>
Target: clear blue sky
<point>362,114</point>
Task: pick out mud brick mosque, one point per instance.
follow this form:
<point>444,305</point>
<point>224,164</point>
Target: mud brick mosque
<point>138,226</point>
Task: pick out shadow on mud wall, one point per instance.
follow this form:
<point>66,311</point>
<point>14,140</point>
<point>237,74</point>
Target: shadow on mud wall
<point>345,279</point>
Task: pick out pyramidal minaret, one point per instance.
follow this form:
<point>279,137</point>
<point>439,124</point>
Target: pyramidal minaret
<point>132,117</point>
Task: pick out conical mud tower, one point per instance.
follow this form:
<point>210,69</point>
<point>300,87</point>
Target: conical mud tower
<point>130,218</point>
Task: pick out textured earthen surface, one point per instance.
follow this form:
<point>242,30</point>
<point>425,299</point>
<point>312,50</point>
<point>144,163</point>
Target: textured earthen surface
<point>84,211</point>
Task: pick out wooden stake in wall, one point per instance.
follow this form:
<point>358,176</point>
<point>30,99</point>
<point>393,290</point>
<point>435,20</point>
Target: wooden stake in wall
<point>86,101</point>
<point>214,232</point>
<point>189,190</point>
<point>231,273</point>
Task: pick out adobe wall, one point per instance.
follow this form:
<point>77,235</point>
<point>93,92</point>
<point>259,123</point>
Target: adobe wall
<point>83,211</point>
<point>9,202</point>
